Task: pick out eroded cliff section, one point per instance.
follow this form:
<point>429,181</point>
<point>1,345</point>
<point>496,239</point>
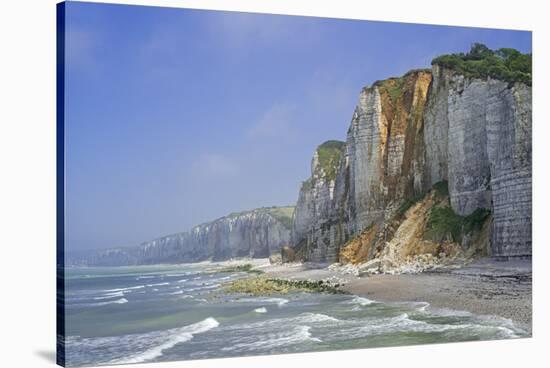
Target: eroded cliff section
<point>256,234</point>
<point>488,125</point>
<point>406,135</point>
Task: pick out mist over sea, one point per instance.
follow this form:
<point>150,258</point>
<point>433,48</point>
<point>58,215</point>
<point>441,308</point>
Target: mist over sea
<point>180,312</point>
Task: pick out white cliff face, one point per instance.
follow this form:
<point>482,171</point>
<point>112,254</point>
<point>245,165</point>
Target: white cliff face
<point>409,133</point>
<point>406,135</point>
<point>478,137</point>
<point>364,141</point>
<point>255,234</point>
<point>436,127</point>
<point>313,217</point>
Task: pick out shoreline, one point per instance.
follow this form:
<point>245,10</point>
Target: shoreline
<point>482,287</point>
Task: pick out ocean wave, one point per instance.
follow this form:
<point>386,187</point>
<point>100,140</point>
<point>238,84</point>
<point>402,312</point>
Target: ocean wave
<point>118,301</point>
<point>158,284</point>
<point>269,325</point>
<point>359,300</point>
<point>206,287</point>
<point>145,277</point>
<point>279,301</point>
<point>316,317</point>
<point>110,295</point>
<point>176,292</point>
<point>124,289</point>
<point>172,338</point>
<point>260,310</point>
<point>269,341</point>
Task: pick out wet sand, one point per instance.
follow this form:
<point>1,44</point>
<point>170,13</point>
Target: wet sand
<point>484,287</point>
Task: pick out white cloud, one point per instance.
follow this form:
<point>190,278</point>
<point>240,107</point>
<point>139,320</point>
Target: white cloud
<point>216,165</point>
<point>276,122</point>
<point>238,30</point>
<point>79,46</point>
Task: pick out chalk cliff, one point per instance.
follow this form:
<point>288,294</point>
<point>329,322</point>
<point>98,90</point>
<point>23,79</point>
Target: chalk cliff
<point>471,131</point>
<point>258,233</point>
<point>437,162</point>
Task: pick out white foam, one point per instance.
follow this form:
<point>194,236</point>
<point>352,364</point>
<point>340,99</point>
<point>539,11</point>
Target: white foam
<point>145,277</point>
<point>316,317</point>
<point>279,301</point>
<point>110,295</point>
<point>176,292</point>
<point>118,301</point>
<point>359,300</point>
<point>260,310</point>
<point>204,287</point>
<point>272,340</point>
<point>124,289</point>
<point>159,284</point>
<point>175,336</point>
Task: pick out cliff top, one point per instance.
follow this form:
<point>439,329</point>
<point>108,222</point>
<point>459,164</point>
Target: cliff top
<point>281,214</point>
<point>481,62</point>
<point>329,154</point>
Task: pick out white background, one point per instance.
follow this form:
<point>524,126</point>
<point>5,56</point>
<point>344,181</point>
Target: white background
<point>27,181</point>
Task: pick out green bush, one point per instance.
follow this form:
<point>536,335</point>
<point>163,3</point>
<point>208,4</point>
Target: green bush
<point>444,223</point>
<point>329,154</point>
<point>394,89</point>
<point>441,188</point>
<point>481,62</point>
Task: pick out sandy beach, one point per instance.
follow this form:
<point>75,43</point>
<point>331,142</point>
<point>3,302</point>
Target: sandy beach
<point>485,287</point>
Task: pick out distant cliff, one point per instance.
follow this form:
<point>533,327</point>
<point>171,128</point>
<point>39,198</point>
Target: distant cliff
<point>465,123</point>
<point>258,233</point>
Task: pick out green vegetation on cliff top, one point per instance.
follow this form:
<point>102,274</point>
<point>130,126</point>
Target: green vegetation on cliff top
<point>282,214</point>
<point>393,86</point>
<point>481,62</point>
<point>329,154</point>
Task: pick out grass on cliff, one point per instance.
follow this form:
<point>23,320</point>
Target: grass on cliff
<point>264,286</point>
<point>481,62</point>
<point>329,154</point>
<point>393,87</point>
<point>441,188</point>
<point>444,223</point>
<point>283,215</point>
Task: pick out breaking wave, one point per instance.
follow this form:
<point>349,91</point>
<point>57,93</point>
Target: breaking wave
<point>174,337</point>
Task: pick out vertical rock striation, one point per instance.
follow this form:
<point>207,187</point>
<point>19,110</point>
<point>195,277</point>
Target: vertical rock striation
<point>488,153</point>
<point>409,133</point>
<point>313,229</point>
<point>256,234</point>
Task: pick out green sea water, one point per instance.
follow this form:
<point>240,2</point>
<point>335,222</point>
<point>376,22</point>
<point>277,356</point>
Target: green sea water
<point>179,312</point>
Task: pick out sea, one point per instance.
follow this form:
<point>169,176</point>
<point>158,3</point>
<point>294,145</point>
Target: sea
<point>117,315</point>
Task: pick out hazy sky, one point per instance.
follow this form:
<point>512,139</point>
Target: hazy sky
<point>175,117</point>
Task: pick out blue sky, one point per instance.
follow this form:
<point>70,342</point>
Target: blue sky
<point>175,117</point>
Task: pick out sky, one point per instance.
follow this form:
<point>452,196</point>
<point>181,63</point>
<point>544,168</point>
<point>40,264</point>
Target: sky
<point>175,117</point>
